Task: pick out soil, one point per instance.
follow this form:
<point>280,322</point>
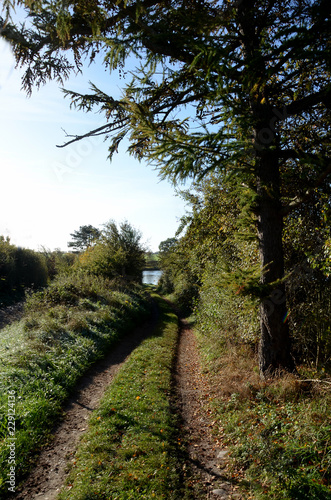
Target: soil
<point>205,469</point>
<point>207,457</point>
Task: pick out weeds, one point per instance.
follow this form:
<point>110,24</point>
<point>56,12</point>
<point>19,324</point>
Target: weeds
<point>278,431</point>
<point>66,328</point>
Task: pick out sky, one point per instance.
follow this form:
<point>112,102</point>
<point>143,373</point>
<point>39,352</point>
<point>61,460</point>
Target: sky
<point>46,192</point>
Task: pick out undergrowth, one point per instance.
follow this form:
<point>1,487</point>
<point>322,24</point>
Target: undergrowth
<point>278,431</point>
<point>65,328</point>
<point>129,451</point>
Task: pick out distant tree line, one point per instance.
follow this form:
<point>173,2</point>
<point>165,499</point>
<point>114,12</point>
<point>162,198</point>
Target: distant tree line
<point>22,268</point>
<point>115,251</point>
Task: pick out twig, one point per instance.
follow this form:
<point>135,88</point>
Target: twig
<point>315,380</point>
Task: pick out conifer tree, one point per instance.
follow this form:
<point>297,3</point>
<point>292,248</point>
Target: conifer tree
<point>238,88</point>
<point>84,237</point>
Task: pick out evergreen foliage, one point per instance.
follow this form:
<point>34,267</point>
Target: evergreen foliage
<point>83,238</point>
<point>241,89</point>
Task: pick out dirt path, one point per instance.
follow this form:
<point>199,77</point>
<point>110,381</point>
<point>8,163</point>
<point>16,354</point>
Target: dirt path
<point>11,313</point>
<point>207,457</point>
<point>49,474</point>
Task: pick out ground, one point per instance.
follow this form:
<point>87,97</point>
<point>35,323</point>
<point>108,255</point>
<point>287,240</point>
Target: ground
<point>11,313</point>
<point>206,458</point>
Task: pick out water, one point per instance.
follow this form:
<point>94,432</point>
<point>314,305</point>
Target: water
<point>151,277</point>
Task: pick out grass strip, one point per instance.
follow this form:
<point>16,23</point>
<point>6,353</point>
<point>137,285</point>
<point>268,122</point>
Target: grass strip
<point>65,329</point>
<point>129,451</point>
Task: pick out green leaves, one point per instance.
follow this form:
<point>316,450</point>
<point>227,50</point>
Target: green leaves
<point>117,253</point>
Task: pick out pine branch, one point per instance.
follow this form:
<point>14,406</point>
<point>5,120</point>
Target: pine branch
<point>306,103</point>
<point>298,200</point>
<point>95,132</point>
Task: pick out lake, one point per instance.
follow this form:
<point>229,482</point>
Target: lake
<point>151,276</point>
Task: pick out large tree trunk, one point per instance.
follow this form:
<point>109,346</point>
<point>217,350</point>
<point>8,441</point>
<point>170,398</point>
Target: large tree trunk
<point>274,350</point>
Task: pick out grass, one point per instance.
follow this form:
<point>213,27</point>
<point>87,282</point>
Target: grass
<point>130,450</point>
<point>65,329</point>
<point>278,431</point>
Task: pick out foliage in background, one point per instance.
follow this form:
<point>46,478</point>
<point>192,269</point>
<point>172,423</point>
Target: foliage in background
<point>117,253</point>
<point>20,268</point>
<point>307,243</point>
<point>66,327</point>
<point>83,238</point>
<point>213,265</point>
<point>217,257</point>
<point>152,261</point>
<point>58,262</point>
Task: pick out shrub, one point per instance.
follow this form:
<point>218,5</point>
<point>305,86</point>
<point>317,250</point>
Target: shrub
<point>118,253</point>
<point>20,268</point>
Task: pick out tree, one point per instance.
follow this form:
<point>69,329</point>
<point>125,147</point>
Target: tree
<point>85,237</point>
<point>166,245</point>
<point>117,253</point>
<point>20,268</point>
<point>255,80</point>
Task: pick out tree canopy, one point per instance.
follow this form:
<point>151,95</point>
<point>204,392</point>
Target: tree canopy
<point>84,237</point>
<point>240,89</point>
<point>117,253</point>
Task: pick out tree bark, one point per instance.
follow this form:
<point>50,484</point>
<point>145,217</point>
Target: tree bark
<point>275,349</point>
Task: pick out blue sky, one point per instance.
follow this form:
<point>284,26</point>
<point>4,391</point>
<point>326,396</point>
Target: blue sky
<point>48,192</point>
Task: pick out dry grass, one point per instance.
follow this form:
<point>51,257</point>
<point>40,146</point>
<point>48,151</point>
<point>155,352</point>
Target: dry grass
<point>233,372</point>
<point>277,430</point>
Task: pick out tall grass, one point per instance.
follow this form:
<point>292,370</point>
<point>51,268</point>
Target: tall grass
<point>278,431</point>
<point>66,328</point>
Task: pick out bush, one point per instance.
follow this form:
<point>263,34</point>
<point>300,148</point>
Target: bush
<point>20,268</point>
<point>118,253</point>
<point>58,262</point>
<point>223,314</point>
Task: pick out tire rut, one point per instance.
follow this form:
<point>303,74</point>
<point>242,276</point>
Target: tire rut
<point>50,472</point>
<point>207,458</point>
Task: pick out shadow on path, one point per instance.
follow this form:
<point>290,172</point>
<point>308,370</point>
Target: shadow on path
<point>49,474</point>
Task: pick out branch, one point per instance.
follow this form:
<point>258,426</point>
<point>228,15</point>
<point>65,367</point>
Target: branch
<point>315,380</point>
<point>96,131</point>
<point>307,102</point>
